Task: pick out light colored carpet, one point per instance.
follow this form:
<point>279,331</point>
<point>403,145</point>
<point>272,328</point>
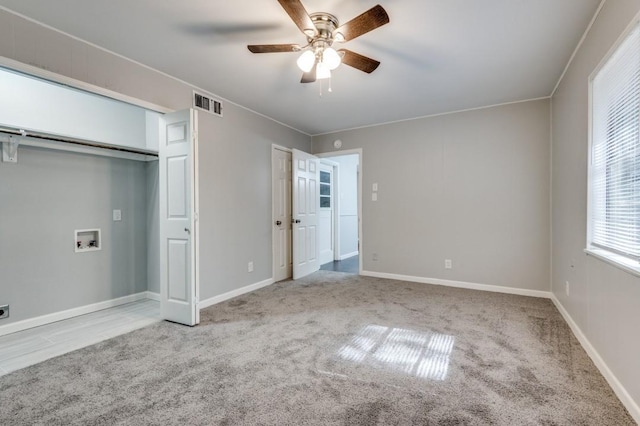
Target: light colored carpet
<point>330,349</point>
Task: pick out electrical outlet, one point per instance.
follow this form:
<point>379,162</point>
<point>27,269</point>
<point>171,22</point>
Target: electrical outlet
<point>566,287</point>
<point>374,196</point>
<point>250,267</point>
<point>374,257</point>
<point>117,215</point>
<point>448,264</point>
<point>4,311</point>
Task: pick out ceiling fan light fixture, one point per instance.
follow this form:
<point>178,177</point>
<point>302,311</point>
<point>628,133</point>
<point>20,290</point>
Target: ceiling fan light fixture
<point>331,58</point>
<point>322,71</point>
<point>306,61</point>
<point>322,30</point>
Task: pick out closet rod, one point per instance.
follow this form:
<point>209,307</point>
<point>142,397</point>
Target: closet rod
<point>43,137</point>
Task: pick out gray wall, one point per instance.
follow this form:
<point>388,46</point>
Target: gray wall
<point>153,227</point>
<point>603,300</point>
<point>235,158</point>
<point>472,187</point>
<point>45,197</point>
<point>235,197</point>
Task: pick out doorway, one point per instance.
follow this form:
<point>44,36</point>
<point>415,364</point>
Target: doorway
<point>294,213</point>
<point>344,228</point>
<point>113,165</point>
<point>327,224</point>
<point>347,239</point>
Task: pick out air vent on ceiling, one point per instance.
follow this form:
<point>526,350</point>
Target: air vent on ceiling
<point>207,103</point>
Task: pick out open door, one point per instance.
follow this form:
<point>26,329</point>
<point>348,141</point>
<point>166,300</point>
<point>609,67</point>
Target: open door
<point>178,217</point>
<point>306,204</point>
<point>282,176</point>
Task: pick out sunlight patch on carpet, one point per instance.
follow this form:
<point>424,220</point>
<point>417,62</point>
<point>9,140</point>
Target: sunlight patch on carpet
<point>421,354</point>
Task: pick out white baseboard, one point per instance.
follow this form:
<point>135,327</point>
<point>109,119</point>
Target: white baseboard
<point>618,388</point>
<point>461,284</point>
<point>70,313</point>
<point>234,293</point>
<point>348,255</point>
<point>152,295</point>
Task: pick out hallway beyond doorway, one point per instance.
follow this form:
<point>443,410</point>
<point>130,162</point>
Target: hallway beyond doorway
<point>348,266</point>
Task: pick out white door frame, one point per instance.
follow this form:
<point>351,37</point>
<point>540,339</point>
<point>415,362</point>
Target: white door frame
<point>335,192</point>
<point>357,151</point>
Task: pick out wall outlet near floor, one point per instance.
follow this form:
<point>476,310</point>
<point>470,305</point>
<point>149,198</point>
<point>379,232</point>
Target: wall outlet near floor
<point>250,267</point>
<point>566,287</point>
<point>374,257</point>
<point>117,215</point>
<point>448,264</point>
<point>4,311</point>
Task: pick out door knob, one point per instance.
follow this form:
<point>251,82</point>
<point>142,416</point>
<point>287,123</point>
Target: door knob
<point>278,222</point>
<point>187,231</point>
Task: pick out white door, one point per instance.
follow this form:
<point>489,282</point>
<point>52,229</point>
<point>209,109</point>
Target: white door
<point>305,214</point>
<point>325,216</point>
<point>281,175</point>
<point>178,217</point>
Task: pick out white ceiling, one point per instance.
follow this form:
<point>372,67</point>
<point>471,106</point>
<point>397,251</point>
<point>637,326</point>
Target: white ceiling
<point>437,55</point>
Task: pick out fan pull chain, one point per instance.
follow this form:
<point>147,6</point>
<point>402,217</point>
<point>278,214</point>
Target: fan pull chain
<point>329,89</point>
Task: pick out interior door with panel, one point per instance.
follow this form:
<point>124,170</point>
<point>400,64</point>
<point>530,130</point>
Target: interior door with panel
<point>178,217</point>
<point>281,175</point>
<point>306,203</point>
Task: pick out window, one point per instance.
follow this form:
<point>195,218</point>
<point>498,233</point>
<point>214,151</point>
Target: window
<point>325,189</point>
<point>614,169</point>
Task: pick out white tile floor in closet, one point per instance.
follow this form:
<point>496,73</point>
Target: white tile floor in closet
<point>25,348</point>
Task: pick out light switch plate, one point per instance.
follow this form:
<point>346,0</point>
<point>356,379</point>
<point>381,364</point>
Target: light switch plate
<point>375,187</point>
<point>117,215</point>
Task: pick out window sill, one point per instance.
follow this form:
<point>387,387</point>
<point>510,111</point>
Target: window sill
<point>620,262</point>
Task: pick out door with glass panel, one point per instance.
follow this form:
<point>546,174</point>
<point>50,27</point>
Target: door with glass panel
<point>325,216</point>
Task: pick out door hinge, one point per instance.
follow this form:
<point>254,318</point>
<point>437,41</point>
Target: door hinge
<point>196,216</point>
<point>194,136</point>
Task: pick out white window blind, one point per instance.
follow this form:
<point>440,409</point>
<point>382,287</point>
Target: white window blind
<point>615,151</point>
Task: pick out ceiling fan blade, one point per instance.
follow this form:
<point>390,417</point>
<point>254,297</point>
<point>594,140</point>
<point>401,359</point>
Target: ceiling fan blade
<point>273,48</point>
<point>310,77</point>
<point>358,61</point>
<point>299,15</point>
<point>220,29</point>
<point>362,24</point>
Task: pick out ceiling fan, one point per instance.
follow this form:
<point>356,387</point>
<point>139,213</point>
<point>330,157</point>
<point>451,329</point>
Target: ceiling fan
<point>322,30</point>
